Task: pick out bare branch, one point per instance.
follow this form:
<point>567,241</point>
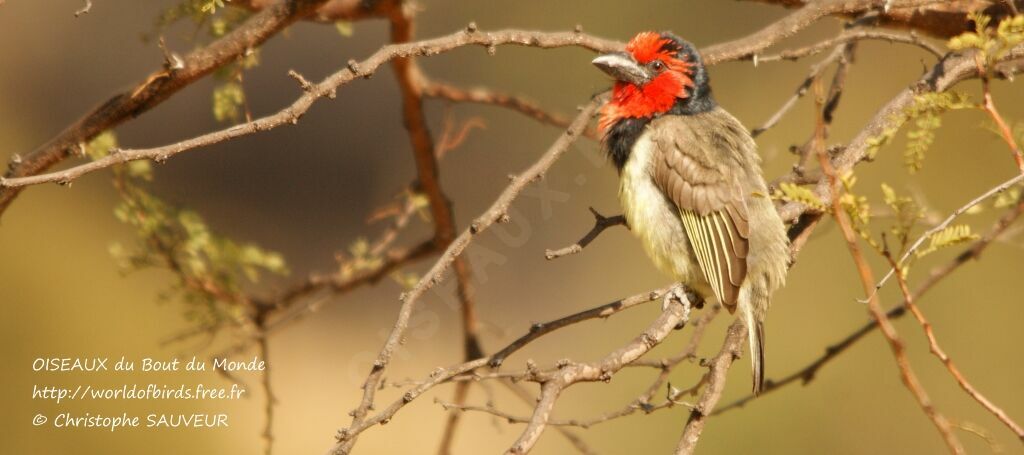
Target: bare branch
<point>855,35</point>
<point>326,88</point>
<point>718,368</point>
<point>875,307</point>
<point>601,223</point>
<point>496,212</point>
<point>806,374</point>
<point>941,18</point>
<point>481,95</point>
<point>933,345</point>
<point>567,374</point>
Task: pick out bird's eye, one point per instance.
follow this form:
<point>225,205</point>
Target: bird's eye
<point>657,65</point>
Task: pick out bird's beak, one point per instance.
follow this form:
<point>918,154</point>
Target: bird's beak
<point>623,68</point>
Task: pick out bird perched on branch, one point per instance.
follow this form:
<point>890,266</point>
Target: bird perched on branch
<point>690,185</point>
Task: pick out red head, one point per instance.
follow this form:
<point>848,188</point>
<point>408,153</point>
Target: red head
<point>658,74</point>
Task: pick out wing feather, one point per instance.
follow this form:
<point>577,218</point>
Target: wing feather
<point>693,172</point>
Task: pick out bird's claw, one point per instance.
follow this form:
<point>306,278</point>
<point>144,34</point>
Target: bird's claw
<point>678,293</point>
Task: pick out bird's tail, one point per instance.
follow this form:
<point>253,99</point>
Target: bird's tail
<point>755,336</point>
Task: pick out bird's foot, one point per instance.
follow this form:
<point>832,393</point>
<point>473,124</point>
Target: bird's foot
<point>679,293</point>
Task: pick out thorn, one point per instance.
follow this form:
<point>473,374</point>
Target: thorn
<point>578,28</point>
<point>172,62</point>
<point>755,60</point>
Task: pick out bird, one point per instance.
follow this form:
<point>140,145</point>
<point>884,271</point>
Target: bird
<point>690,183</point>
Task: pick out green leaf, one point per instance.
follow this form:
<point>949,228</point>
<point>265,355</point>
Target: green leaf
<point>228,99</point>
<point>951,235</point>
<point>344,28</point>
<point>210,6</point>
<point>101,145</point>
<point>796,193</point>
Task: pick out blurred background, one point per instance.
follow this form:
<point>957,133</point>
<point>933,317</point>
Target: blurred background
<point>306,191</point>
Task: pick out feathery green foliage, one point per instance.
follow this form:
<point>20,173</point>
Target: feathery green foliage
<point>792,192</point>
<point>228,100</point>
<point>993,44</point>
<point>925,112</point>
<point>212,269</point>
<point>951,235</point>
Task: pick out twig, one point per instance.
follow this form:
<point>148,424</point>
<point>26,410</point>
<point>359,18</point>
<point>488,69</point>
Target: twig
<point>718,370</point>
<point>601,223</point>
<point>941,77</point>
<point>875,308</point>
<point>272,18</point>
<point>269,400</point>
<point>326,88</point>
<point>568,373</point>
<point>464,371</point>
<point>945,223</point>
<point>751,45</point>
<point>496,212</point>
<point>641,403</point>
<point>816,70</point>
<point>540,329</point>
<point>933,345</point>
<point>486,96</point>
<point>855,35</point>
<point>806,374</point>
<point>159,86</point>
<point>85,9</point>
<point>941,18</point>
<point>989,106</point>
<point>530,400</point>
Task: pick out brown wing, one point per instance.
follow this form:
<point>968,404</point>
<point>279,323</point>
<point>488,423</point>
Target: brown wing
<point>692,160</point>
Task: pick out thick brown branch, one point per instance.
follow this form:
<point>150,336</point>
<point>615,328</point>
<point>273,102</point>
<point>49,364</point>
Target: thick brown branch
<point>156,88</point>
<point>939,18</point>
<point>942,76</point>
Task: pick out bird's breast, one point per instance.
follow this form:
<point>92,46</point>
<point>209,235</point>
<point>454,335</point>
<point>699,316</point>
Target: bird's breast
<point>653,218</point>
